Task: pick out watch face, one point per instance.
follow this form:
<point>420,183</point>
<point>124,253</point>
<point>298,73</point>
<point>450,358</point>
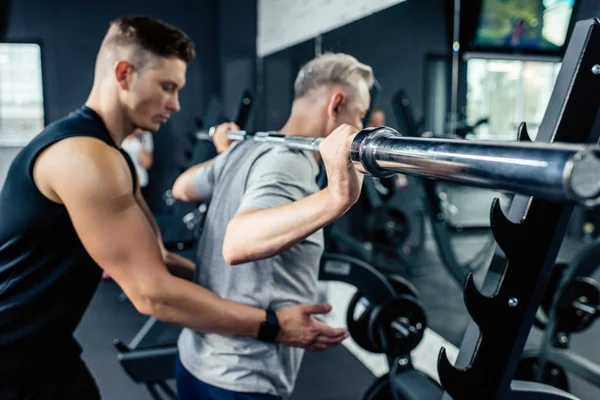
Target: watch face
<point>268,332</point>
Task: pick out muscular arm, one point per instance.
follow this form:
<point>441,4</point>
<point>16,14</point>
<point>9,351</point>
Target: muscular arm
<point>280,227</point>
<point>177,265</point>
<point>276,211</point>
<point>93,182</point>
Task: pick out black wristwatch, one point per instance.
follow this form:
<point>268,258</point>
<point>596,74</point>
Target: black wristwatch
<point>269,328</point>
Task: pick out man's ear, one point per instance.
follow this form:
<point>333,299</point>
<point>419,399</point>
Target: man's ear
<point>123,74</point>
<point>336,102</point>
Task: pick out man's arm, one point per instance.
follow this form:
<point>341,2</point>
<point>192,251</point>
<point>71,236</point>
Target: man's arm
<point>177,265</point>
<point>184,188</point>
<point>257,233</point>
<point>95,184</point>
<point>93,181</point>
<point>266,230</point>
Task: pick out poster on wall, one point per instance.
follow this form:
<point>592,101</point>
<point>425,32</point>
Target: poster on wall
<point>284,23</point>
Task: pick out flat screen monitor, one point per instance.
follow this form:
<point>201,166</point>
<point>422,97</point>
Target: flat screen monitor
<point>523,26</point>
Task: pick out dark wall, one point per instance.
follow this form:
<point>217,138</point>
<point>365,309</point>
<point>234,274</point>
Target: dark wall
<point>587,9</point>
<point>278,72</point>
<point>4,8</point>
<point>237,52</point>
<point>71,32</point>
<point>394,42</point>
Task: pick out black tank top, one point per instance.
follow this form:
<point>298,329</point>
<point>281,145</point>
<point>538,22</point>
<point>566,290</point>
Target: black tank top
<point>47,278</point>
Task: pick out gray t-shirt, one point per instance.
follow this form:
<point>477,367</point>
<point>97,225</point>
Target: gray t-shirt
<point>252,175</point>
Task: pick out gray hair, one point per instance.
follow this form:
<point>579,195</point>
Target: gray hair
<point>331,69</point>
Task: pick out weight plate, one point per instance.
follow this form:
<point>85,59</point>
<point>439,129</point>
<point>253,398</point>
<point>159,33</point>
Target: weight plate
<point>358,315</point>
<point>541,317</point>
<point>586,292</point>
<point>402,286</point>
<point>387,227</point>
<point>397,326</point>
<point>360,308</point>
<point>553,374</point>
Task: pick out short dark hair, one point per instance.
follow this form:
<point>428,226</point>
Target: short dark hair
<point>150,34</point>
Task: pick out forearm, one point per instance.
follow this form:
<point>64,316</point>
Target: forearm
<point>260,234</point>
<point>187,304</point>
<point>180,266</point>
<point>183,188</point>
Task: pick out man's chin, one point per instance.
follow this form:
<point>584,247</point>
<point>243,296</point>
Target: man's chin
<point>151,128</point>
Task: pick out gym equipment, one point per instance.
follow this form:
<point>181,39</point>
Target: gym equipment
<point>578,304</point>
<point>147,362</point>
<point>436,207</point>
<point>407,123</point>
<point>388,226</point>
<point>403,382</point>
<point>529,238</point>
<point>529,367</point>
<point>571,304</point>
<point>397,326</point>
<point>393,323</point>
<point>393,327</point>
<point>381,228</point>
<point>555,172</point>
<point>541,316</point>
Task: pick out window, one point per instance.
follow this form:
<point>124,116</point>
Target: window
<point>21,93</point>
<point>508,93</point>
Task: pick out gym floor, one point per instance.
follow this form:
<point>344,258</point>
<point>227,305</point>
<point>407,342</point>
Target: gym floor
<point>338,373</point>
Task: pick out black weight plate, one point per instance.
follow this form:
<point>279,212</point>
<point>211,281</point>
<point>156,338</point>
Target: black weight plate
<point>402,286</point>
<point>388,227</point>
<point>553,374</point>
<point>380,389</point>
<point>541,317</point>
<point>358,322</point>
<point>409,316</point>
<point>568,318</point>
<point>552,286</point>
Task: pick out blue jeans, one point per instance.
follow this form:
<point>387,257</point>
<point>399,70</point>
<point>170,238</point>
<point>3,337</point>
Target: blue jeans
<point>191,388</point>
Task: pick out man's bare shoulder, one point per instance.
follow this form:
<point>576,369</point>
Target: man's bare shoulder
<point>81,165</point>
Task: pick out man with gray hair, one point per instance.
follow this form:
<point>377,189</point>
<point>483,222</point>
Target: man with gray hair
<point>266,216</point>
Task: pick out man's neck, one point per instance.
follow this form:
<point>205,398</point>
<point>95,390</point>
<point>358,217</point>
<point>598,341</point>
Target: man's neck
<point>303,124</point>
<point>117,124</point>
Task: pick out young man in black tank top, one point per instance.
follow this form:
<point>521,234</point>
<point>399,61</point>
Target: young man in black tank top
<point>71,207</point>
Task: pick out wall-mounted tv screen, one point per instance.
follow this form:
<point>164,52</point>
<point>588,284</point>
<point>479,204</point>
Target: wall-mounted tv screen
<point>532,26</point>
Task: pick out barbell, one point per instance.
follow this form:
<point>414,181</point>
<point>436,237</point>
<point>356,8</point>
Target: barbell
<point>558,172</point>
